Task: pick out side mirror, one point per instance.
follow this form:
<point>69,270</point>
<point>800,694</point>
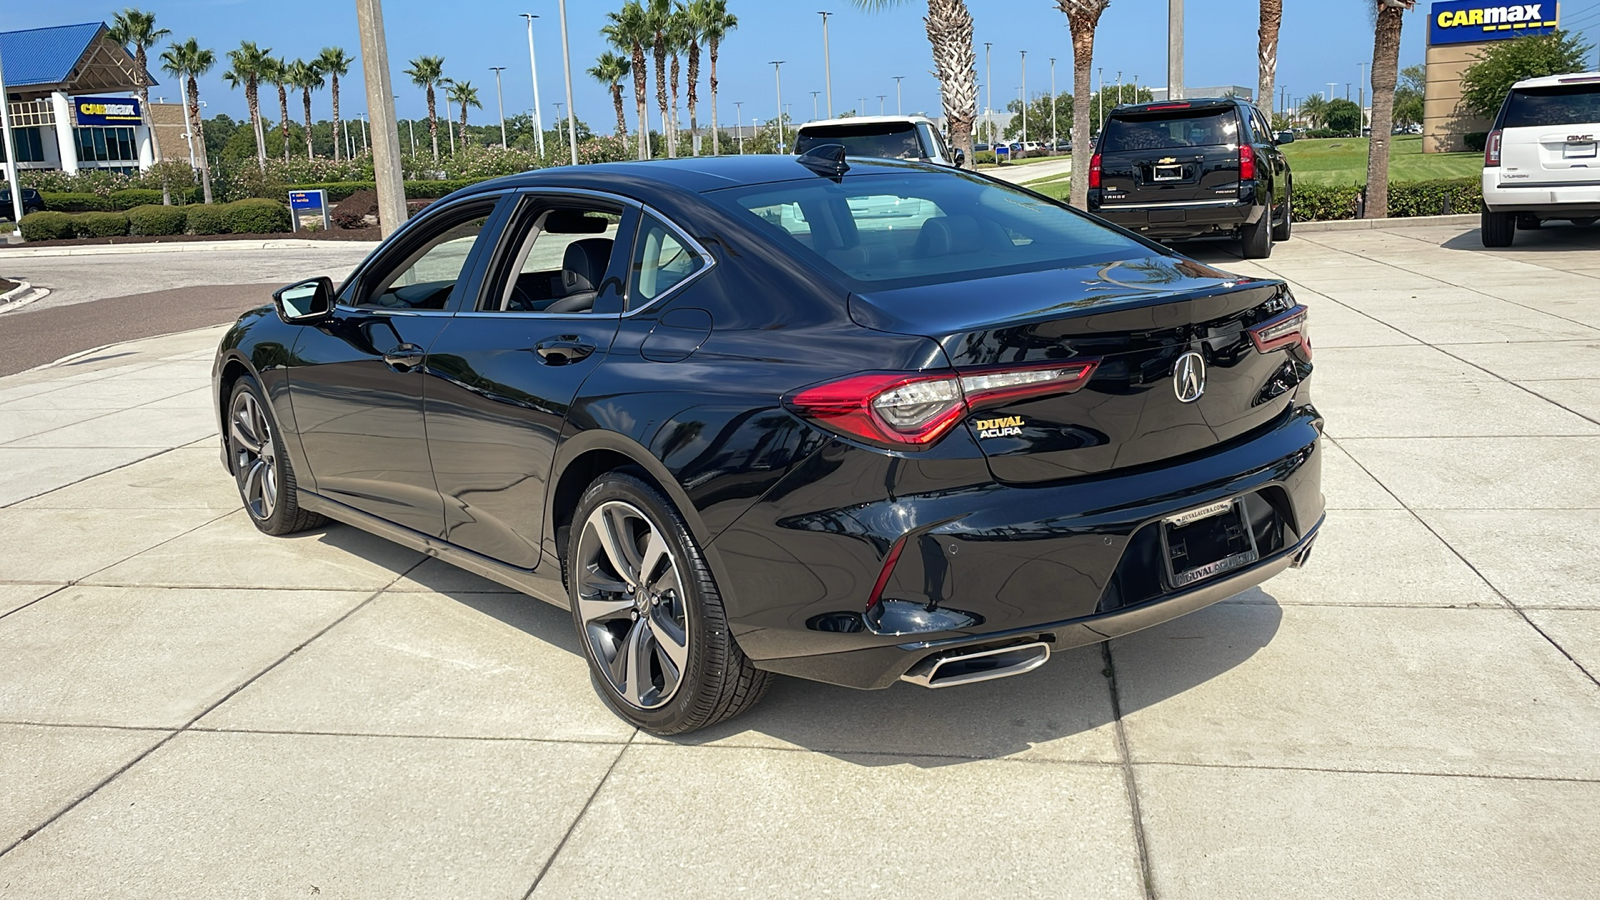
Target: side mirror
<point>1285,137</point>
<point>306,302</point>
<point>960,159</point>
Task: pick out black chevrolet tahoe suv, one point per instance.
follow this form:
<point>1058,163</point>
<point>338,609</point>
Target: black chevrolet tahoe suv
<point>1190,168</point>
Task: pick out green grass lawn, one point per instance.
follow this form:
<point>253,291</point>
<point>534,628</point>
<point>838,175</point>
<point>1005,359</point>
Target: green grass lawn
<point>1332,161</point>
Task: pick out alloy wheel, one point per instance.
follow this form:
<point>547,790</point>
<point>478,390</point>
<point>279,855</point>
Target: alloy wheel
<point>255,457</point>
<point>632,604</point>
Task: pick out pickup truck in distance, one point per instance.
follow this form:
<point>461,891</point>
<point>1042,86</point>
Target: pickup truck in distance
<point>1191,168</point>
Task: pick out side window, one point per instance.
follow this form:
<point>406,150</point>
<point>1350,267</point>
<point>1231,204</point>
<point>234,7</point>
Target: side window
<point>556,258</point>
<point>425,275</point>
<point>661,261</point>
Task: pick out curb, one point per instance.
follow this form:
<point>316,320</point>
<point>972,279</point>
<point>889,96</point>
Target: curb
<point>178,247</point>
<point>1376,224</point>
<point>84,354</point>
<point>21,296</point>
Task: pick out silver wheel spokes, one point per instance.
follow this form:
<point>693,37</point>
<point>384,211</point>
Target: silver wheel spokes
<point>632,604</point>
<point>254,456</point>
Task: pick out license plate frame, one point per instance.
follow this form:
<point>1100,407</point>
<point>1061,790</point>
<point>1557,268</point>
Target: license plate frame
<point>1167,173</point>
<point>1231,513</point>
<point>1588,150</point>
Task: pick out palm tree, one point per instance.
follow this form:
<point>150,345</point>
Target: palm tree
<point>307,77</point>
<point>949,27</point>
<point>1385,72</point>
<point>680,37</point>
<point>1083,17</point>
<point>1267,76</point>
<point>628,31</point>
<point>425,72</point>
<point>1314,109</point>
<point>189,61</point>
<point>659,16</point>
<point>609,70</point>
<point>336,64</point>
<point>137,29</point>
<point>463,94</point>
<point>247,65</point>
<point>715,23</point>
<point>276,72</point>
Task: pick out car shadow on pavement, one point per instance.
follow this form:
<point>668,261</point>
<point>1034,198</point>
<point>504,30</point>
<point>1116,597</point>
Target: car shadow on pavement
<point>1551,237</point>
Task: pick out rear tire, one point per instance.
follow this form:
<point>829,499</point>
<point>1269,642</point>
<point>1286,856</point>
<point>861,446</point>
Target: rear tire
<point>261,468</point>
<point>649,616</point>
<point>1283,230</point>
<point>1498,229</point>
<point>1255,238</point>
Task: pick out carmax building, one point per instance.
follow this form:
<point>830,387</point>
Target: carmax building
<point>1458,31</point>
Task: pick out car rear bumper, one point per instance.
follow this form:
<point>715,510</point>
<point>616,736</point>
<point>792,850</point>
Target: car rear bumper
<point>1182,219</point>
<point>1069,564</point>
<point>1552,200</point>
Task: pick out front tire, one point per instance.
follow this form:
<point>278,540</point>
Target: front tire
<point>649,615</point>
<point>261,468</point>
<point>1283,230</point>
<point>1498,229</point>
<point>1255,238</point>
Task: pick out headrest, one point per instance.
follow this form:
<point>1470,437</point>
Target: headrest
<point>584,266</point>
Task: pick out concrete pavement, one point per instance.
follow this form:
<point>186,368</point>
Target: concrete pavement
<point>191,709</point>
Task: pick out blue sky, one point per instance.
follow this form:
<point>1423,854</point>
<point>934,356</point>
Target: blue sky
<point>1322,41</point>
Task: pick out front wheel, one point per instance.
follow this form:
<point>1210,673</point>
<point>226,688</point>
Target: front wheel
<point>1498,229</point>
<point>1255,238</point>
<point>649,614</point>
<point>261,467</point>
<point>1284,229</point>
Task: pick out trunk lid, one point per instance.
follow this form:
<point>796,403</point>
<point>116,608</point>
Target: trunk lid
<point>1550,135</point>
<point>1139,317</point>
<point>1185,155</point>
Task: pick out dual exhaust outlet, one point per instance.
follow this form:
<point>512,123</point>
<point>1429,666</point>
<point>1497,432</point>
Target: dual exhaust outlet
<point>949,669</point>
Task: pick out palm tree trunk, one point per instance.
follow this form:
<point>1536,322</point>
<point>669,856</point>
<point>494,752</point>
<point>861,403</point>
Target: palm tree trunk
<point>337,144</point>
<point>661,95</point>
<point>694,76</point>
<point>283,110</point>
<point>433,123</point>
<point>1082,62</point>
<point>1385,69</point>
<point>641,90</point>
<point>616,99</point>
<point>1271,20</point>
<point>252,96</point>
<point>674,151</point>
<point>310,152</point>
<point>716,141</point>
<point>949,26</point>
<point>200,132</point>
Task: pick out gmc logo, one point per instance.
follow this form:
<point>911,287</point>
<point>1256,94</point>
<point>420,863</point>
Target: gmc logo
<point>1580,138</point>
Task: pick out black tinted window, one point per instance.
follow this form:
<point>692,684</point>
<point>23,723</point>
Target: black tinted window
<point>1567,104</point>
<point>886,140</point>
<point>1171,129</point>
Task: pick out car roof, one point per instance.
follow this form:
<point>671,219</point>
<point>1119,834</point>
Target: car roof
<point>695,174</point>
<point>1558,80</point>
<point>867,120</point>
<point>1185,103</point>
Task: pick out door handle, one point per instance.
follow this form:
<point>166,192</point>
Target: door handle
<point>404,358</point>
<point>563,350</point>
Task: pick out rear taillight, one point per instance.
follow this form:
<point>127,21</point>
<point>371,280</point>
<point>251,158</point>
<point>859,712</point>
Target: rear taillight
<point>1247,162</point>
<point>1291,329</point>
<point>1491,149</point>
<point>913,410</point>
<point>1094,171</point>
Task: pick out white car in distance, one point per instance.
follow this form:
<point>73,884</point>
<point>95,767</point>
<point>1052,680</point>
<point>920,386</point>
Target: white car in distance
<point>1542,159</point>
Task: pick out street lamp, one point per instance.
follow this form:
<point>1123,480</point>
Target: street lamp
<point>533,65</point>
<point>777,75</point>
<point>363,132</point>
<point>1101,96</point>
<point>1119,88</point>
<point>827,67</point>
<point>13,186</point>
<point>1055,136</point>
<point>1024,95</point>
<point>897,110</point>
<point>500,99</point>
<point>566,63</point>
<point>988,80</point>
<point>738,118</point>
<point>814,104</point>
<point>558,120</point>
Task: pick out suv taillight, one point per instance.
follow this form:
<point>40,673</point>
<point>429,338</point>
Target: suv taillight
<point>1094,171</point>
<point>913,410</point>
<point>1491,149</point>
<point>1247,163</point>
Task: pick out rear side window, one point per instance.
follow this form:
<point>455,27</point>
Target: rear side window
<point>885,140</point>
<point>1171,130</point>
<point>1566,104</point>
<point>661,261</point>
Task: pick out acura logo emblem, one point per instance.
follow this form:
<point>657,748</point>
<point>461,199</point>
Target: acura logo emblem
<point>1189,377</point>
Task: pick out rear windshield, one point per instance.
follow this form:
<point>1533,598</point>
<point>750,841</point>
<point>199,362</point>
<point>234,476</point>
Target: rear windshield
<point>885,140</point>
<point>903,230</point>
<point>1566,104</point>
<point>1171,129</point>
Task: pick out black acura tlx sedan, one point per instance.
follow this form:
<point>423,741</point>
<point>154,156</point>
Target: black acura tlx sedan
<point>858,421</point>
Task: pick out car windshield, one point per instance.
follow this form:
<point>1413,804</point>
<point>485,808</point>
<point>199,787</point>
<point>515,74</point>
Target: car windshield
<point>1171,130</point>
<point>886,140</point>
<point>916,228</point>
<point>1566,104</point>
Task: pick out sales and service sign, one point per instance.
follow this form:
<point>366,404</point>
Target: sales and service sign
<point>1475,21</point>
<point>106,110</point>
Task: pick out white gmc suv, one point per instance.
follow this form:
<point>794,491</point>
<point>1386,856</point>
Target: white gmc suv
<point>1541,159</point>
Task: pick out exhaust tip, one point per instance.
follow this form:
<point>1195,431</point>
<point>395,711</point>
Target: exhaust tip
<point>943,670</point>
<point>1303,557</point>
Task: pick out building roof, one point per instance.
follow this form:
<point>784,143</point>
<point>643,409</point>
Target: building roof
<point>68,57</point>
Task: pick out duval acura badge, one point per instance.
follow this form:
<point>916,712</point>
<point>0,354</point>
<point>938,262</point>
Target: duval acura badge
<point>1189,377</point>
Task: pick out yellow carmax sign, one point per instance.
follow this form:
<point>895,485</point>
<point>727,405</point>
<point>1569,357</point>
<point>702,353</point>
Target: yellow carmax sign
<point>1474,21</point>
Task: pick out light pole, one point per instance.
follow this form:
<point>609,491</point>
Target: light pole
<point>1361,94</point>
<point>533,65</point>
<point>827,66</point>
<point>566,63</point>
<point>897,110</point>
<point>449,116</point>
<point>988,81</point>
<point>881,98</point>
<point>12,186</point>
<point>500,99</point>
<point>777,75</point>
<point>1024,96</point>
<point>814,104</point>
<point>558,119</point>
<point>1174,52</point>
<point>1101,97</point>
<point>387,171</point>
<point>1055,136</point>
<point>1331,86</point>
<point>738,118</point>
<point>363,117</point>
<point>1119,88</point>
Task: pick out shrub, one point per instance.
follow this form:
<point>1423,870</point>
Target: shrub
<point>1323,203</point>
<point>1439,197</point>
<point>100,224</point>
<point>131,197</point>
<point>76,202</point>
<point>204,218</point>
<point>983,157</point>
<point>1476,140</point>
<point>256,217</point>
<point>155,219</point>
<point>353,210</point>
<point>46,226</point>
